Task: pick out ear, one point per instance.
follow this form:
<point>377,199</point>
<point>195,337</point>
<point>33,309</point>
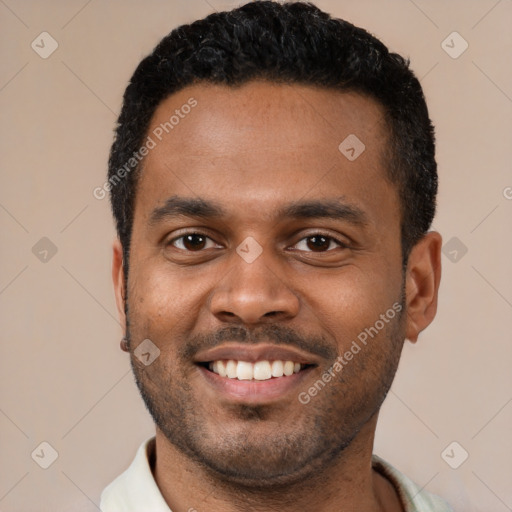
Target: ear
<point>422,284</point>
<point>118,280</point>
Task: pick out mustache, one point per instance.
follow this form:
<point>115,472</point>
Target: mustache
<point>273,333</point>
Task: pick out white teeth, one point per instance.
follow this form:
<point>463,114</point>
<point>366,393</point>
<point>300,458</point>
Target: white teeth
<point>277,369</point>
<point>261,370</point>
<point>288,368</point>
<point>221,368</point>
<point>244,371</point>
<point>231,369</point>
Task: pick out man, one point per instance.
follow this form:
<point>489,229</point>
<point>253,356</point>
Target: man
<point>273,181</point>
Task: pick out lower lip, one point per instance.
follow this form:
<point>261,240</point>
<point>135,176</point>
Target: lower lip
<point>255,391</point>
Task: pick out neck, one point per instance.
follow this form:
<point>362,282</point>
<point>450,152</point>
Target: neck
<point>349,483</point>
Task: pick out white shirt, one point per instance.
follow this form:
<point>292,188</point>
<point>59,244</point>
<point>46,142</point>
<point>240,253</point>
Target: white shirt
<point>135,490</point>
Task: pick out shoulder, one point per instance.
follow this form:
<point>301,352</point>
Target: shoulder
<point>135,487</point>
<point>413,497</point>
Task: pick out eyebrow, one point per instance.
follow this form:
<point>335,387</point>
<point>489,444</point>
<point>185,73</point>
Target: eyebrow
<point>176,206</point>
<point>334,209</point>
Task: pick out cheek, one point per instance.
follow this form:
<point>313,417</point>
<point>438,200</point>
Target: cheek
<point>162,299</point>
<point>349,303</point>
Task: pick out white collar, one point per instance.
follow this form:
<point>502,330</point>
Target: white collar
<point>135,490</point>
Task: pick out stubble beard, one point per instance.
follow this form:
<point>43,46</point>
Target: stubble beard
<point>282,455</point>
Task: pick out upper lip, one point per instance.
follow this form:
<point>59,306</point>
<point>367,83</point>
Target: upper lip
<point>254,353</point>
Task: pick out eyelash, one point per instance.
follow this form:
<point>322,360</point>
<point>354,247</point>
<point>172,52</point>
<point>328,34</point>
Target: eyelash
<point>341,244</point>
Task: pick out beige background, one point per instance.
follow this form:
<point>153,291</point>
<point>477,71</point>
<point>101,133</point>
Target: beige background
<point>63,378</point>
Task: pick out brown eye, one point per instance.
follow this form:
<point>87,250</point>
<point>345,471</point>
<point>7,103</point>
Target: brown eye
<point>190,242</point>
<point>319,243</point>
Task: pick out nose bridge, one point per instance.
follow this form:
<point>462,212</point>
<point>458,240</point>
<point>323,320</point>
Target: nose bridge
<point>253,288</point>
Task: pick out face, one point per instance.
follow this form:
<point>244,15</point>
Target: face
<point>256,240</point>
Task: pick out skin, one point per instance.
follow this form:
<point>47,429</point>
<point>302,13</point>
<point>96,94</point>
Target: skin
<point>253,150</point>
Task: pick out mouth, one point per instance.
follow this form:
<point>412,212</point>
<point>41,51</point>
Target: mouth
<point>255,374</point>
<point>258,371</point>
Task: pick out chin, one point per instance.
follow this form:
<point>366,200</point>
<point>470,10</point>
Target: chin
<point>256,457</point>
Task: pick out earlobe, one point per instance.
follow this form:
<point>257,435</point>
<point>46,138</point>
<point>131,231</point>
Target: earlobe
<point>119,281</point>
<point>124,345</point>
<point>423,277</point>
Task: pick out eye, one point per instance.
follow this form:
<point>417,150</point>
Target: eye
<point>319,242</point>
<point>192,242</point>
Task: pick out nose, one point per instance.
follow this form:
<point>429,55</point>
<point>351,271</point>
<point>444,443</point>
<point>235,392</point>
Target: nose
<point>252,293</point>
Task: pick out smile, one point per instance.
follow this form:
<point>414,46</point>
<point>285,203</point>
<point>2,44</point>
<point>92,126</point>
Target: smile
<point>254,373</point>
<point>260,370</point>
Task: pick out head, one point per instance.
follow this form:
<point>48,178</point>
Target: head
<point>243,116</point>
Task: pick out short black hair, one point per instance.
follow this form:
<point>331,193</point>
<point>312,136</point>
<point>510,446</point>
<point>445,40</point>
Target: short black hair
<point>290,43</point>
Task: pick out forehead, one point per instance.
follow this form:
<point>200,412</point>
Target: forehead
<point>263,143</point>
